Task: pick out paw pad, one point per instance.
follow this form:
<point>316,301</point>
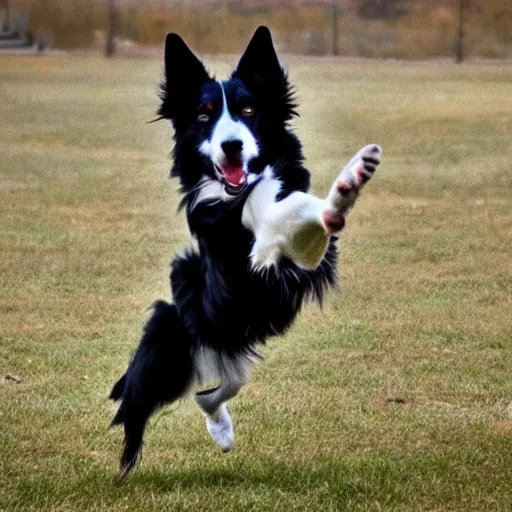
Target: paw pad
<point>333,221</point>
<point>344,188</point>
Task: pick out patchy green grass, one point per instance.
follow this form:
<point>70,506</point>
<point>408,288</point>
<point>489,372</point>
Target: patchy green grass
<point>396,396</point>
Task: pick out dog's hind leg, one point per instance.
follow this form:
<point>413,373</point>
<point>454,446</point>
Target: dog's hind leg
<point>160,372</point>
<point>233,374</point>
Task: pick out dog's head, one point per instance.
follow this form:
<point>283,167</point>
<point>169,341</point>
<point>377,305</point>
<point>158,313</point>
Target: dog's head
<point>225,131</point>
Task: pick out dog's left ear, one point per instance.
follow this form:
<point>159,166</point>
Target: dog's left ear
<point>259,61</point>
<point>260,70</point>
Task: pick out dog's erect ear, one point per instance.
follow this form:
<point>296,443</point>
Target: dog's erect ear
<point>182,67</point>
<point>184,75</point>
<point>261,72</point>
<point>259,61</point>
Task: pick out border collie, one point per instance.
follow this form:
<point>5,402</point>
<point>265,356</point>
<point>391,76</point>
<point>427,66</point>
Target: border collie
<point>263,246</point>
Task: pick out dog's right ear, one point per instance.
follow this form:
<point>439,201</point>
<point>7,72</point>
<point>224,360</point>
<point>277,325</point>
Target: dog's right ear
<point>184,76</point>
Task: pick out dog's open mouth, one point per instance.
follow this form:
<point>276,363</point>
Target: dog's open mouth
<point>232,176</point>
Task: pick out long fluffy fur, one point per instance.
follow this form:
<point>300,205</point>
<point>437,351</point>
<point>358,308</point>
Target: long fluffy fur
<point>220,302</point>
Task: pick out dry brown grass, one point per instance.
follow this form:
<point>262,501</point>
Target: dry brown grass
<point>428,30</point>
<point>395,396</point>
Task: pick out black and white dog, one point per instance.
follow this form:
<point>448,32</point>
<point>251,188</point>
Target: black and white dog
<point>263,245</point>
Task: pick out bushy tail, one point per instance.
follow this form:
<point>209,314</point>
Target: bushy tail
<point>160,372</point>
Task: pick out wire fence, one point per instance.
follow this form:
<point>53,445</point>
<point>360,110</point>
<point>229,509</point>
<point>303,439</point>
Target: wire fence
<point>407,29</point>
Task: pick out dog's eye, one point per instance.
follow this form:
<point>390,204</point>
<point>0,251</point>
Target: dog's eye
<point>203,118</point>
<point>248,111</point>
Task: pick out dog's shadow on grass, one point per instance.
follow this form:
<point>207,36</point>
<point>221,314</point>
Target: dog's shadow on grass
<point>167,481</point>
<point>291,478</point>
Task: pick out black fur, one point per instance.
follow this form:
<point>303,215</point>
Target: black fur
<point>219,302</point>
<point>160,372</point>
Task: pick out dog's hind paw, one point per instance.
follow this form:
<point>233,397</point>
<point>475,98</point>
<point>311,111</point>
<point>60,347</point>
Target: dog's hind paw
<point>347,185</point>
<point>221,431</point>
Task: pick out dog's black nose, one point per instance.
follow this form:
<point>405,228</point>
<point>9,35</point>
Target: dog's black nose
<point>232,147</point>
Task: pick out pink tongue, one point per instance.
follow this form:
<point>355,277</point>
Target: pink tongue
<point>234,175</point>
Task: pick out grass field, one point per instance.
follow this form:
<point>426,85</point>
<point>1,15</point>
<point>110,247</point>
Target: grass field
<point>396,396</point>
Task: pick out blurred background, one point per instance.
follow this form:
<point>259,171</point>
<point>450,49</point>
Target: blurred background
<point>402,29</point>
<point>397,394</point>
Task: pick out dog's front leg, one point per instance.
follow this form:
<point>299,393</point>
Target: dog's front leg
<point>299,226</point>
<point>291,227</point>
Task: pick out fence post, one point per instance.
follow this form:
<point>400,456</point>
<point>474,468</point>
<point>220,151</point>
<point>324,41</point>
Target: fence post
<point>459,42</point>
<point>335,13</point>
<point>4,4</point>
<point>110,48</point>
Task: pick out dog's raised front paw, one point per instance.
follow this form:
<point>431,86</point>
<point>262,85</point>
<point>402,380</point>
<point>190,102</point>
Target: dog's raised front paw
<point>347,185</point>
